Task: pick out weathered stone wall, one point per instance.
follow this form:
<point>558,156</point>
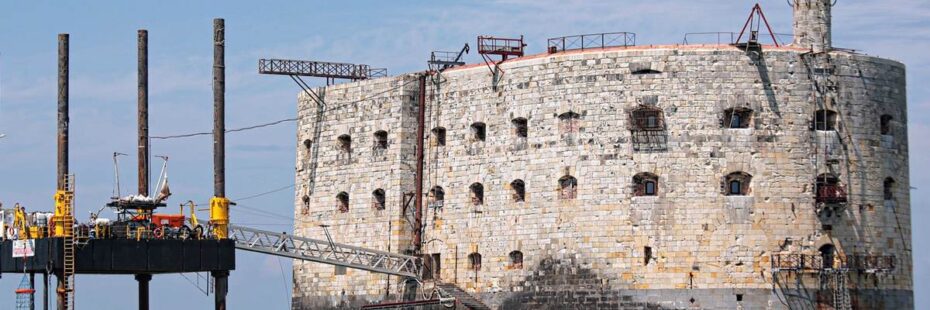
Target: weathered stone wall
<point>707,248</point>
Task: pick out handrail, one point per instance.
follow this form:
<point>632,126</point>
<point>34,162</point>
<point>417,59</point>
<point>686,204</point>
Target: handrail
<point>590,41</point>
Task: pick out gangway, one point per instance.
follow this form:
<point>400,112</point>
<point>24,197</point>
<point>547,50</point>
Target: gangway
<point>323,251</point>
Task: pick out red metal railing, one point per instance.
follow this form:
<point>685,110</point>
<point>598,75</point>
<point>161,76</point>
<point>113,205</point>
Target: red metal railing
<point>501,46</point>
<point>830,193</point>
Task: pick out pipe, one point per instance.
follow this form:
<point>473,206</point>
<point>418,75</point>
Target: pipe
<point>62,110</point>
<point>418,203</point>
<point>219,204</point>
<point>45,290</point>
<point>143,280</point>
<point>143,116</point>
<point>221,287</point>
<point>219,102</point>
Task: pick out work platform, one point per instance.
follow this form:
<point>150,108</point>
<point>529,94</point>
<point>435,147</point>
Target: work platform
<point>125,256</point>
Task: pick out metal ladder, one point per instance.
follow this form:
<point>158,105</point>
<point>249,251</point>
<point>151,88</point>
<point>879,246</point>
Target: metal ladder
<point>68,264</point>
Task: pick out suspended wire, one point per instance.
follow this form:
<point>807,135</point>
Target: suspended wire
<point>266,193</point>
<point>206,133</point>
<point>227,131</point>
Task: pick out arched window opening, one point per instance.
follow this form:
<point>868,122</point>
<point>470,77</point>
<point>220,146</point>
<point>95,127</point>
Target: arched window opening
<point>568,187</point>
<point>477,194</point>
<point>437,195</point>
<point>569,122</point>
<point>647,118</point>
<point>889,188</point>
<point>828,189</point>
<point>520,127</point>
<point>381,140</point>
<point>439,136</point>
<point>737,183</point>
<point>519,190</point>
<point>308,144</point>
<point>479,131</point>
<point>645,184</point>
<point>886,124</point>
<point>342,202</point>
<point>306,205</point>
<point>737,118</point>
<point>474,261</point>
<point>377,199</point>
<point>516,260</point>
<point>828,256</point>
<point>825,120</point>
<point>345,143</point>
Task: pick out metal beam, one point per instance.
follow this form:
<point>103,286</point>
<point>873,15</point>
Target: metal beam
<point>330,70</point>
<point>321,251</point>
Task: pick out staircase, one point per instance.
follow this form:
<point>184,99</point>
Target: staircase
<point>840,292</point>
<point>461,296</point>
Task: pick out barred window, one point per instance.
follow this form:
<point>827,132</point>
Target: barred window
<point>342,202</point>
<point>377,199</point>
<point>519,190</point>
<point>568,187</point>
<point>477,194</point>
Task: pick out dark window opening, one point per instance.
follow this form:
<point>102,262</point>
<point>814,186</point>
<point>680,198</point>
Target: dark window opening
<point>479,132</point>
<point>828,189</point>
<point>477,194</point>
<point>568,187</point>
<point>737,184</point>
<point>825,120</point>
<point>828,256</point>
<point>647,118</point>
<point>339,270</point>
<point>516,259</point>
<point>439,136</point>
<point>343,202</point>
<point>886,124</point>
<point>381,140</point>
<point>345,143</point>
<point>437,196</point>
<point>519,190</point>
<point>737,118</point>
<point>889,189</point>
<point>569,122</point>
<point>474,261</point>
<point>645,184</point>
<point>431,266</point>
<point>308,144</point>
<point>646,71</point>
<point>647,255</point>
<point>377,199</point>
<point>739,297</point>
<point>306,207</point>
<point>520,127</point>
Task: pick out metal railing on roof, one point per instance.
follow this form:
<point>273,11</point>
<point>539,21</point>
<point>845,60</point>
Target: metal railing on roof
<point>589,41</point>
<point>730,38</point>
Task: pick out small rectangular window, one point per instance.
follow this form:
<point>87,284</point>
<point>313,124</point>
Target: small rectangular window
<point>340,270</point>
<point>650,188</point>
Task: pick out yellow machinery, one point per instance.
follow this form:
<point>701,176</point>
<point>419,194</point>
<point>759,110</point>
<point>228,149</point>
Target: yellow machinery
<point>63,220</point>
<point>219,217</point>
<point>19,222</point>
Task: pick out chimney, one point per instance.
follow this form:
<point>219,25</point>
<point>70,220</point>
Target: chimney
<point>812,23</point>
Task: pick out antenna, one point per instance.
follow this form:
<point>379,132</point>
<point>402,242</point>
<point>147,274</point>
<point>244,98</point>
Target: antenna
<point>116,189</point>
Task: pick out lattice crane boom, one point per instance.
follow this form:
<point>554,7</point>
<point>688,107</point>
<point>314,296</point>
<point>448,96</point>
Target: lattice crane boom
<point>322,251</point>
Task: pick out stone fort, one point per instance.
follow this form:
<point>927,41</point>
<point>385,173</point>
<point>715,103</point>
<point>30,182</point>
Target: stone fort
<point>708,176</point>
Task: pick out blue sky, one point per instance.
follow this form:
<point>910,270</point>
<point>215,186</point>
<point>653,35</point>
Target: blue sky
<point>396,35</point>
